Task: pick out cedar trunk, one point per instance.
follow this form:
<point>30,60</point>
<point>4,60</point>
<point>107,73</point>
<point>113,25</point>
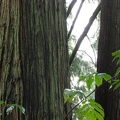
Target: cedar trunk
<point>109,42</point>
<point>33,58</point>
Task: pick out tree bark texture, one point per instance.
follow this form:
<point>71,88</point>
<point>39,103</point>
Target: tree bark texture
<point>109,42</point>
<point>33,58</point>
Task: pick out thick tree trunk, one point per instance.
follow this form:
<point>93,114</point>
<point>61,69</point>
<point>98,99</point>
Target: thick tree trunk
<point>109,42</point>
<point>33,58</point>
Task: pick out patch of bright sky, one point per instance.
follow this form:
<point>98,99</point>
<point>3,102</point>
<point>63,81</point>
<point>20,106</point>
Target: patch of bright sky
<point>82,20</point>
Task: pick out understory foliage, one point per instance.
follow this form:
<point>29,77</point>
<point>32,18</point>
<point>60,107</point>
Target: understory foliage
<point>86,108</point>
<point>11,107</point>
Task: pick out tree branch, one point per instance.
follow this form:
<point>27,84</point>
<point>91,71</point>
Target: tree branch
<point>92,18</point>
<point>69,33</point>
<point>92,48</point>
<point>88,56</point>
<point>70,7</point>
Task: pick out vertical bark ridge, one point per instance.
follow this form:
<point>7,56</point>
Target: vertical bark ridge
<point>10,71</point>
<point>33,58</point>
<point>108,43</point>
<point>45,58</point>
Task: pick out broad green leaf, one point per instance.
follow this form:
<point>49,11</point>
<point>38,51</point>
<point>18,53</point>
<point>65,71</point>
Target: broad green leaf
<point>98,80</point>
<point>66,95</point>
<point>81,117</point>
<point>69,95</point>
<point>97,104</point>
<point>89,82</point>
<point>82,108</point>
<point>99,110</point>
<point>84,114</point>
<point>82,78</point>
<point>114,83</point>
<point>22,109</point>
<point>10,109</point>
<point>107,77</point>
<point>118,71</point>
<point>117,86</point>
<point>80,94</point>
<point>100,75</point>
<point>91,110</point>
<point>98,115</point>
<point>118,61</point>
<point>116,52</point>
<point>2,102</point>
<point>92,116</point>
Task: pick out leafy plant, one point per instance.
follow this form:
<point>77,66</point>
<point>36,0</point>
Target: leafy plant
<point>89,109</point>
<point>96,78</point>
<point>11,107</point>
<point>69,94</point>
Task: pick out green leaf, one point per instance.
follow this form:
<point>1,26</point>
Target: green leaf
<point>84,114</point>
<point>98,80</point>
<point>118,62</point>
<point>80,94</point>
<point>82,108</point>
<point>116,52</point>
<point>89,82</point>
<point>22,109</point>
<point>90,110</point>
<point>10,108</point>
<point>116,55</point>
<point>107,77</point>
<point>82,78</point>
<point>90,115</point>
<point>117,86</point>
<point>2,102</point>
<point>97,107</point>
<point>101,75</point>
<point>114,83</point>
<point>98,115</point>
<point>118,71</point>
<point>69,95</point>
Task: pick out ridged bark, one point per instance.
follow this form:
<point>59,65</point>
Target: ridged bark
<point>33,58</point>
<point>109,42</point>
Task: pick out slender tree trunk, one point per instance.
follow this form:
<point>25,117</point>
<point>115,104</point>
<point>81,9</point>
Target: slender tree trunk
<point>109,42</point>
<point>33,58</point>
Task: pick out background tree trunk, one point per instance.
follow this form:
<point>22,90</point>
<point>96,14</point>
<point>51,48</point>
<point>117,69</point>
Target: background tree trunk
<point>33,58</point>
<point>109,42</point>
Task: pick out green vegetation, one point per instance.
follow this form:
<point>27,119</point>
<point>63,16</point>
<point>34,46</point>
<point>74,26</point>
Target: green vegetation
<point>86,108</point>
<point>11,107</point>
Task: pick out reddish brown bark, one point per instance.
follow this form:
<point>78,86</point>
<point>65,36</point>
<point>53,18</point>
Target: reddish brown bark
<point>33,58</point>
<point>109,42</point>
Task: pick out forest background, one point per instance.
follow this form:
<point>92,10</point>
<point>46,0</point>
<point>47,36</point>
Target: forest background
<point>36,71</point>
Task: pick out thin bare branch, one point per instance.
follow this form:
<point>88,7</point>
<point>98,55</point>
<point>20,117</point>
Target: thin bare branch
<point>71,7</point>
<point>72,26</point>
<point>92,18</point>
<point>92,48</point>
<point>88,56</point>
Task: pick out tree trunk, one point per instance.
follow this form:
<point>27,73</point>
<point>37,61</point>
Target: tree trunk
<point>109,42</point>
<point>33,58</point>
